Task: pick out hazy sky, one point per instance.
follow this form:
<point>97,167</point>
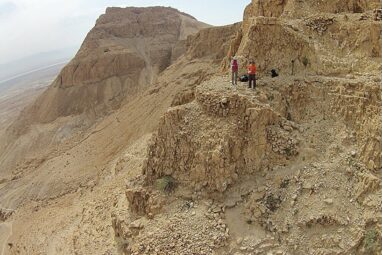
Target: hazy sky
<point>28,27</point>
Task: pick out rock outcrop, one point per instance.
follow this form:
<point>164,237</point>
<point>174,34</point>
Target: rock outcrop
<point>297,8</point>
<point>299,155</point>
<point>194,165</point>
<point>321,37</point>
<point>219,137</point>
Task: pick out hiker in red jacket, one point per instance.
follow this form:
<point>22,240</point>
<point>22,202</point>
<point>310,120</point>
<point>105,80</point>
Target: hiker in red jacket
<point>235,70</point>
<point>252,74</point>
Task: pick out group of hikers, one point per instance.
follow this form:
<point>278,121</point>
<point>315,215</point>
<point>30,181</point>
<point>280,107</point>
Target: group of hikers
<point>251,73</point>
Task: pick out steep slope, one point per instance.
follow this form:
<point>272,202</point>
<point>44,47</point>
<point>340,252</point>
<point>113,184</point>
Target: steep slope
<point>337,39</point>
<point>89,171</point>
<point>123,53</point>
<point>193,165</point>
<point>120,57</point>
<point>293,168</point>
<point>284,166</point>
<point>326,38</point>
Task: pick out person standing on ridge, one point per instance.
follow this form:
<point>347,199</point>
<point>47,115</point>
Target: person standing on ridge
<point>235,70</point>
<point>252,74</point>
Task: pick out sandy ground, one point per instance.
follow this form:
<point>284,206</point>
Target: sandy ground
<point>86,170</point>
<point>11,104</point>
<point>12,101</point>
<point>5,233</point>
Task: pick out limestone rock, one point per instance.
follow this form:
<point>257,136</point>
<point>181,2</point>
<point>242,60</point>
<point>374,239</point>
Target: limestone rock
<point>213,159</point>
<point>138,200</point>
<point>143,202</point>
<point>118,58</point>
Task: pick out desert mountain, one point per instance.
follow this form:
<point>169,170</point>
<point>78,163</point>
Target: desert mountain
<point>188,164</point>
<point>120,57</point>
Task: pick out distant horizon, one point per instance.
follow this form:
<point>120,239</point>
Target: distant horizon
<point>72,49</point>
<point>33,71</point>
<point>29,27</point>
<point>32,63</point>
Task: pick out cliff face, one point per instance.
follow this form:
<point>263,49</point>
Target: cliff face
<point>321,37</point>
<point>212,43</point>
<point>217,138</point>
<point>296,8</point>
<point>122,54</point>
<point>98,156</point>
<point>298,158</point>
<point>193,165</point>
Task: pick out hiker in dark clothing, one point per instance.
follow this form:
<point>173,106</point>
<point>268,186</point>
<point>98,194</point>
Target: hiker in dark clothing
<point>252,74</point>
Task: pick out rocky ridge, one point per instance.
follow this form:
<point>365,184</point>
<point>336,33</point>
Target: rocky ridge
<point>294,201</point>
<point>290,168</point>
<point>122,54</point>
<point>297,162</point>
<point>120,57</point>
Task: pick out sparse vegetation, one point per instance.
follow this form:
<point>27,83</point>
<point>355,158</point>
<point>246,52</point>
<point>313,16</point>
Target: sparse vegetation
<point>289,116</point>
<point>284,184</point>
<point>370,242</point>
<point>121,243</point>
<point>272,202</point>
<point>305,61</point>
<point>350,161</point>
<point>288,152</point>
<point>166,184</point>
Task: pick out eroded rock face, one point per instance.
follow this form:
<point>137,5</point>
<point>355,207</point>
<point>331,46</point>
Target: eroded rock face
<point>143,202</point>
<point>356,103</point>
<point>212,42</point>
<point>217,138</point>
<point>360,106</point>
<point>276,8</point>
<point>323,37</point>
<point>122,54</point>
<point>296,162</point>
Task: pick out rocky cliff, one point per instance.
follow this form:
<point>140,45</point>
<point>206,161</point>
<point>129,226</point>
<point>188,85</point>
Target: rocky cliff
<point>299,159</point>
<point>121,55</point>
<point>184,146</point>
<point>193,165</point>
<point>67,158</point>
<point>335,38</point>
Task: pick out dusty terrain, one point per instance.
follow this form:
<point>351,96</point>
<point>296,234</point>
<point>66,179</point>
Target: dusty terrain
<point>118,60</point>
<point>18,93</point>
<point>188,164</point>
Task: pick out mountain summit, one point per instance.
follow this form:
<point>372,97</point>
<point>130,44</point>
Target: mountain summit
<point>121,55</point>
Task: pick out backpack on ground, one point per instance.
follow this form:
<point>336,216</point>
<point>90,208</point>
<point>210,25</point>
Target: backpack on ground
<point>243,78</point>
<point>274,73</point>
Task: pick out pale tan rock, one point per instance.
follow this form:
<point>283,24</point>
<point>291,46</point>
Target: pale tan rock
<point>214,138</point>
<point>118,58</point>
